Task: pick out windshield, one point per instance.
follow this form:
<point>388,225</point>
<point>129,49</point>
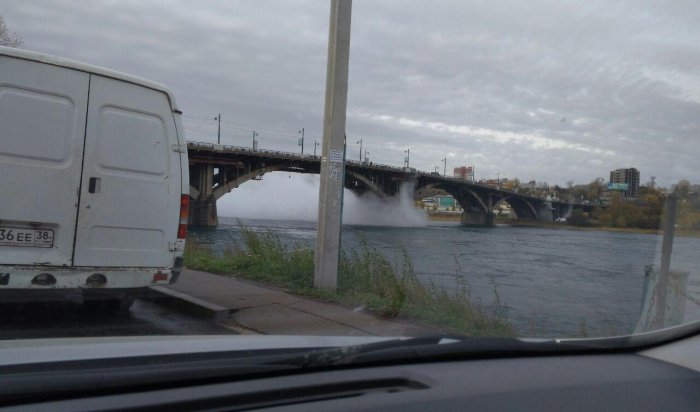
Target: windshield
<point>516,169</point>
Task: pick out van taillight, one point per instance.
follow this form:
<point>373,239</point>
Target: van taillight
<point>184,213</point>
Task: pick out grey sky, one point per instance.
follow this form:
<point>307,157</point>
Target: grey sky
<point>549,90</point>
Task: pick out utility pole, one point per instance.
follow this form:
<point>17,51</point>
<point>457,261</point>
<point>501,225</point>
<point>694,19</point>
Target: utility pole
<point>302,140</point>
<point>255,134</point>
<point>360,142</point>
<point>330,200</point>
<point>408,157</point>
<point>218,135</point>
<point>444,167</point>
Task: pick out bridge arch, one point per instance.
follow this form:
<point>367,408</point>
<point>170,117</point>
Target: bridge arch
<point>367,182</point>
<point>522,208</point>
<point>467,198</point>
<point>232,184</point>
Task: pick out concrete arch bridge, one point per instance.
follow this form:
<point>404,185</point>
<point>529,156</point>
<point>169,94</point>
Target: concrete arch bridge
<point>216,170</point>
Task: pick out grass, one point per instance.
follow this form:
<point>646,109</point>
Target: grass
<point>365,278</point>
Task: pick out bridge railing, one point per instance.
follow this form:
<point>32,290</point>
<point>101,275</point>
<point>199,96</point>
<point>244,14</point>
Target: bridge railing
<point>301,156</point>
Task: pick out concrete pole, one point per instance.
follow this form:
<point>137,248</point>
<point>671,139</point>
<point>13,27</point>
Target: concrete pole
<point>330,203</point>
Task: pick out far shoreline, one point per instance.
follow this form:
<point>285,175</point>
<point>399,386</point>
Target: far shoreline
<point>552,225</point>
<point>456,218</point>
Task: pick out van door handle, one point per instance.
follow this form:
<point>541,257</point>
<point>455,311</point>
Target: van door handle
<point>94,185</point>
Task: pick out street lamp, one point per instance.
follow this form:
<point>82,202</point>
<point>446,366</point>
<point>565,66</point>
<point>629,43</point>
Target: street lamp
<point>360,142</point>
<point>301,142</point>
<point>408,157</point>
<point>255,143</point>
<point>218,135</point>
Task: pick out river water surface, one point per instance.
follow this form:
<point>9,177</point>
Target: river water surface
<point>553,282</point>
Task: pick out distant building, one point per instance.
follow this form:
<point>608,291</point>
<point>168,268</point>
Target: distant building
<point>464,173</point>
<point>629,177</point>
<point>608,196</point>
<point>441,203</point>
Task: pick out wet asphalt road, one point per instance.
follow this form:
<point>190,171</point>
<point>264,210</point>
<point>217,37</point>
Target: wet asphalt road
<point>58,320</point>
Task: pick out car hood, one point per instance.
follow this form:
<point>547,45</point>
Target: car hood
<point>28,351</point>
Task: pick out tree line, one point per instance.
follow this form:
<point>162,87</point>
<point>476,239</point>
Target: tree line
<point>645,212</point>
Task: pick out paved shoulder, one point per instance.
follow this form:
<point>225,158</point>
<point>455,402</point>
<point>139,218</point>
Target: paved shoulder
<point>268,310</point>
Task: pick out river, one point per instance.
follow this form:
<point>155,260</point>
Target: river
<point>553,282</point>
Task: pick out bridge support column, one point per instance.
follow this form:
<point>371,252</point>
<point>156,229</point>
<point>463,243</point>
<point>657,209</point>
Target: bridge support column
<point>203,208</point>
<point>562,211</point>
<point>478,218</point>
<point>490,218</point>
<point>203,212</point>
<point>545,213</point>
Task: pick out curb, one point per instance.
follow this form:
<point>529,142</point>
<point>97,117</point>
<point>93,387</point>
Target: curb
<point>187,303</point>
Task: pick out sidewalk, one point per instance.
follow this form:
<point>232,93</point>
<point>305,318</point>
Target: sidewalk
<point>260,309</point>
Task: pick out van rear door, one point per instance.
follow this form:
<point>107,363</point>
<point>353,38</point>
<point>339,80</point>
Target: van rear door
<point>42,123</point>
<point>131,184</point>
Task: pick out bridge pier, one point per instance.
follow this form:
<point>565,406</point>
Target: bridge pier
<point>563,211</point>
<point>545,212</point>
<point>478,218</point>
<point>202,203</point>
<point>203,212</point>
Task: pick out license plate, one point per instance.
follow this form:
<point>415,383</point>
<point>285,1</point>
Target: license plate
<point>12,236</point>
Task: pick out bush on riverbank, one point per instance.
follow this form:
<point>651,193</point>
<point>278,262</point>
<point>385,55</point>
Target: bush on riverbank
<point>365,277</point>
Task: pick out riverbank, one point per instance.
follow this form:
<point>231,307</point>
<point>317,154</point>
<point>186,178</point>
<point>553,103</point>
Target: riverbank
<point>445,216</point>
<point>366,279</point>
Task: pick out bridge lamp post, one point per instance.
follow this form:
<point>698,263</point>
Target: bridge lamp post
<point>218,135</point>
<point>301,142</point>
<point>255,134</point>
<point>360,142</point>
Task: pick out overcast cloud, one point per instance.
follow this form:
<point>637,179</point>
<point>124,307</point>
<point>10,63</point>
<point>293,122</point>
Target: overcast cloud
<point>549,90</point>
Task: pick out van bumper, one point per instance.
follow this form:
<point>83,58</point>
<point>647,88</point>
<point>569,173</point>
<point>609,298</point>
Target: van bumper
<point>47,278</point>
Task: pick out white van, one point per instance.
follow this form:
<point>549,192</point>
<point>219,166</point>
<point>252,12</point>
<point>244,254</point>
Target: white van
<point>93,181</point>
